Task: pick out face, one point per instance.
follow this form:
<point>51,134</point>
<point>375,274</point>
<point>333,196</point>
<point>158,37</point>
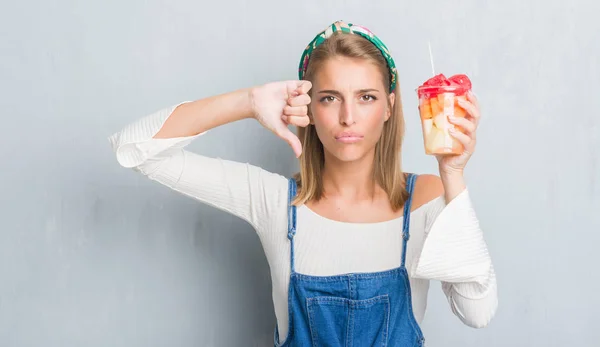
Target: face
<point>349,108</point>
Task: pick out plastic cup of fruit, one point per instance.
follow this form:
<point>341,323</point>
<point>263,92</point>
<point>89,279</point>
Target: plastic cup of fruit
<point>436,104</point>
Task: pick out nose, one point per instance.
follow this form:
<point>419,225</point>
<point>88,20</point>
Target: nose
<point>347,117</point>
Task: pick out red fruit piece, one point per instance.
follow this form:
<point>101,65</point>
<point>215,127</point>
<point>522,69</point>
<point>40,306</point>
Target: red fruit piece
<point>437,80</point>
<point>454,83</point>
<point>461,80</point>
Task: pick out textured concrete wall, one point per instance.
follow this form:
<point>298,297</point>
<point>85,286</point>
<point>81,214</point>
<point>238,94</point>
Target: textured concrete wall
<point>92,254</point>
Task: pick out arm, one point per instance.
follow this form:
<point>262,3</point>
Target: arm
<point>237,188</point>
<point>455,251</point>
<point>193,118</point>
<point>154,146</point>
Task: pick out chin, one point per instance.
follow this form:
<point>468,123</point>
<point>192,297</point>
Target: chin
<point>348,154</point>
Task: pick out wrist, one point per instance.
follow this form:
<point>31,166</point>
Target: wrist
<point>450,172</point>
<point>451,175</point>
<point>453,182</point>
<point>249,106</point>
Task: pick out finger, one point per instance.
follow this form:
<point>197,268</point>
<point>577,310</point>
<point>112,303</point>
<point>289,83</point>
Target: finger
<point>470,107</point>
<point>472,98</point>
<point>465,139</point>
<point>303,87</point>
<point>300,100</point>
<point>295,110</point>
<point>291,87</point>
<point>464,123</point>
<point>288,136</point>
<point>299,121</point>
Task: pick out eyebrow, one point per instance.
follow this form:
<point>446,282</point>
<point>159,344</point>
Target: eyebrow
<point>335,92</point>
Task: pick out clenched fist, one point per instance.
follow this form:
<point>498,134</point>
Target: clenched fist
<point>278,104</point>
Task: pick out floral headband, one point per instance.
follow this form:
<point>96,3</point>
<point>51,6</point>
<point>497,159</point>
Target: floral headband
<point>350,29</point>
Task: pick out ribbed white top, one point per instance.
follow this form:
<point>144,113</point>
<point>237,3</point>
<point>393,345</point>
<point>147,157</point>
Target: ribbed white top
<point>446,241</point>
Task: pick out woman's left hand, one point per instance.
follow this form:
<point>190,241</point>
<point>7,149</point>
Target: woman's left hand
<point>452,164</point>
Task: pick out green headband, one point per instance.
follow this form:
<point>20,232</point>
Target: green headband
<point>350,29</point>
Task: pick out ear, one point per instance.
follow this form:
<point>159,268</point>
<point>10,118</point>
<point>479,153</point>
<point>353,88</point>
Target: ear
<point>310,116</point>
<point>391,99</point>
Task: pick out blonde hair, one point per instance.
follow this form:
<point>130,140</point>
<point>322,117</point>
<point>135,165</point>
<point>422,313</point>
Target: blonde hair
<point>387,169</point>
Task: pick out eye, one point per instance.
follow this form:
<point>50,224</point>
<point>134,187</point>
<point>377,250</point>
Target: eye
<point>328,99</point>
<point>368,98</point>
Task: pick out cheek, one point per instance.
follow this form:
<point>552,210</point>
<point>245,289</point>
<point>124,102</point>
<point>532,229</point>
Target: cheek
<point>324,117</point>
<point>375,118</point>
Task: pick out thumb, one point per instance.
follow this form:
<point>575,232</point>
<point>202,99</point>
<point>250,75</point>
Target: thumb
<point>288,136</point>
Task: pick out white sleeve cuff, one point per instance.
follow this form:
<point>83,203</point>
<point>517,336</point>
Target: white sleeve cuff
<point>454,250</point>
<point>134,144</point>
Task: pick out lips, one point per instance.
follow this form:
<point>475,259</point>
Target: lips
<point>348,137</point>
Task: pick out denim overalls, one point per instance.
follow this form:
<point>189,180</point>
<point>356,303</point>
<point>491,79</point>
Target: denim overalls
<point>351,310</point>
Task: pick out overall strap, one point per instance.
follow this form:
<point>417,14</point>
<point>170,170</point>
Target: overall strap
<point>292,187</point>
<point>410,185</point>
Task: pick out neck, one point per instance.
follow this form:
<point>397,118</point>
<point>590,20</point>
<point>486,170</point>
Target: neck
<point>349,180</point>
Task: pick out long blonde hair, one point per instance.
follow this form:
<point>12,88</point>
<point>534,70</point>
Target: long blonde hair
<point>387,169</point>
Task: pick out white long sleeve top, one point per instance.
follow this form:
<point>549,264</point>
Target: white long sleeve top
<point>446,242</point>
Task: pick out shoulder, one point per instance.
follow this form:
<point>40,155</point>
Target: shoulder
<point>427,188</point>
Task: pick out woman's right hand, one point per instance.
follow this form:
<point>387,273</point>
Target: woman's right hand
<point>278,104</point>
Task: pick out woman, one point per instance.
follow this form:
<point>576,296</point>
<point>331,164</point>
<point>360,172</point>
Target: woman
<point>337,235</point>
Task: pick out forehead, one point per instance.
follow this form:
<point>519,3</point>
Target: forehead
<point>343,72</point>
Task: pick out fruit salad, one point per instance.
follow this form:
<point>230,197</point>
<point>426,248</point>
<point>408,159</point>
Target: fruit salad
<point>438,99</point>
